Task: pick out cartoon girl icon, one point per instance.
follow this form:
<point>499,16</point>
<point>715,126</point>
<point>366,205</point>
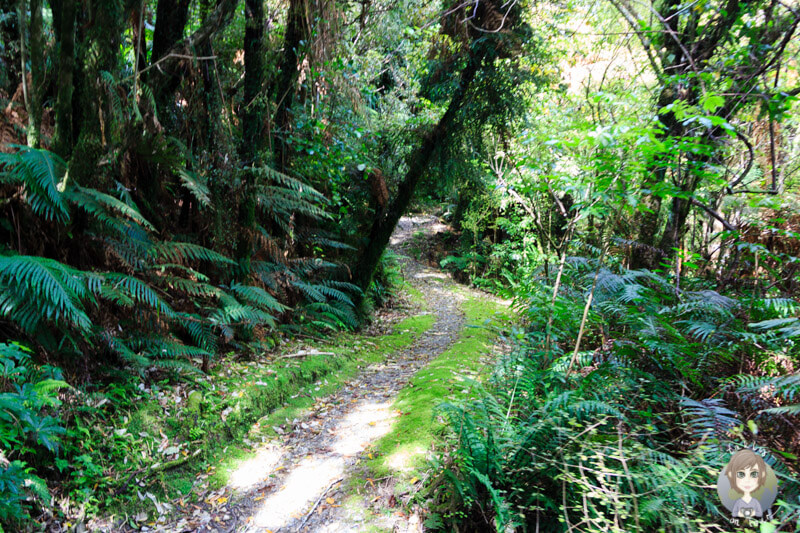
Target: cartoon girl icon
<point>747,474</point>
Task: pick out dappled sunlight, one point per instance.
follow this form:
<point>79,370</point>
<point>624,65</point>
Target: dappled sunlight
<point>431,274</point>
<point>252,471</point>
<point>301,487</point>
<point>366,423</point>
<point>405,459</point>
<point>313,475</point>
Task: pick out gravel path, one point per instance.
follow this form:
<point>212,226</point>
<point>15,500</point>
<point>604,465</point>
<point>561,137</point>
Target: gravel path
<point>282,487</point>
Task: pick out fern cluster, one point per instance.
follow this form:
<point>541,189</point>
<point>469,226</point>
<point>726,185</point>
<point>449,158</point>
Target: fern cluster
<point>631,434</point>
<point>27,399</point>
<point>162,290</point>
<point>148,300</point>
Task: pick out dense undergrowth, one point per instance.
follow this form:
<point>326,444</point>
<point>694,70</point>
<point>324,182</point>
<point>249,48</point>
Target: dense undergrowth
<point>160,309</point>
<point>629,430</point>
<point>183,184</point>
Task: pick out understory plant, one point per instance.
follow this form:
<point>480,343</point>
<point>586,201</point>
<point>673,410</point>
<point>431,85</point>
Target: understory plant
<point>630,432</point>
<point>152,304</point>
<point>29,426</point>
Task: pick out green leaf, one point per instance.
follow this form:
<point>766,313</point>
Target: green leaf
<point>712,102</point>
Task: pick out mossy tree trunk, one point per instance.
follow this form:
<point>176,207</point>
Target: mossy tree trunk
<point>252,128</point>
<point>37,75</point>
<point>62,137</point>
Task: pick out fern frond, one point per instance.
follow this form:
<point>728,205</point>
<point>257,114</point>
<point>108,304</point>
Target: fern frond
<point>97,203</point>
<point>139,291</point>
<point>196,186</point>
<point>709,418</point>
<point>53,287</point>
<point>43,174</point>
<point>185,251</point>
<point>257,296</point>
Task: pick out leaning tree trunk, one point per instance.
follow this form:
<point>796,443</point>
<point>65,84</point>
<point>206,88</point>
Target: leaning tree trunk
<point>385,222</point>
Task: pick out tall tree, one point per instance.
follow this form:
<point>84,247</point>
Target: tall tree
<point>297,30</point>
<point>741,41</point>
<point>252,126</point>
<point>489,30</point>
<point>62,137</point>
<point>37,74</point>
<point>171,19</point>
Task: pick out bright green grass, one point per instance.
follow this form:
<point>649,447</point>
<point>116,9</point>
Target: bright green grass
<point>447,378</point>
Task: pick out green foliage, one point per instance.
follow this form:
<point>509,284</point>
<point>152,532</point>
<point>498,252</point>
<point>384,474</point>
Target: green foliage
<point>588,445</point>
<point>42,174</point>
<point>28,397</point>
<point>385,281</point>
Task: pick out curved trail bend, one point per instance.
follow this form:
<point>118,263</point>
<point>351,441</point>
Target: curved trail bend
<point>286,486</point>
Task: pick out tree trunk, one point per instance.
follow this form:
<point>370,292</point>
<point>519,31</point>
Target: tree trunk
<point>171,19</point>
<point>252,130</point>
<point>9,52</point>
<point>139,36</point>
<point>384,224</point>
<point>165,79</point>
<point>283,96</point>
<point>62,137</point>
<point>37,75</point>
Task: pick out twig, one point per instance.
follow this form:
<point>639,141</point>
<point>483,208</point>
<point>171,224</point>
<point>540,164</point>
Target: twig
<point>588,306</point>
<point>747,167</point>
<point>165,58</point>
<point>145,472</point>
<point>303,353</point>
<point>317,503</point>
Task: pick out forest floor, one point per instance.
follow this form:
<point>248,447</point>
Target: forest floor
<point>352,460</point>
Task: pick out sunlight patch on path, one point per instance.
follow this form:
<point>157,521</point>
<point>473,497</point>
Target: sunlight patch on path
<point>251,472</point>
<point>301,488</point>
<point>437,275</point>
<point>306,482</point>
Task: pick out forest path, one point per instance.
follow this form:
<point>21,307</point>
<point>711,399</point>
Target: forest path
<point>295,481</point>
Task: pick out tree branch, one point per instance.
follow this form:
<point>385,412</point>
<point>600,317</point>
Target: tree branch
<point>727,225</point>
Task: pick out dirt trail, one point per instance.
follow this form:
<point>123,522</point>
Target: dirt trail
<point>280,489</point>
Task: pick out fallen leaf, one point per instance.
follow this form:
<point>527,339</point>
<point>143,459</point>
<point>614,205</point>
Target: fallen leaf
<point>330,501</point>
<point>414,480</point>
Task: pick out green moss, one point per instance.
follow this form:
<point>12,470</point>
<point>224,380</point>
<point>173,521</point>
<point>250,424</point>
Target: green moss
<point>447,378</point>
<point>414,295</point>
